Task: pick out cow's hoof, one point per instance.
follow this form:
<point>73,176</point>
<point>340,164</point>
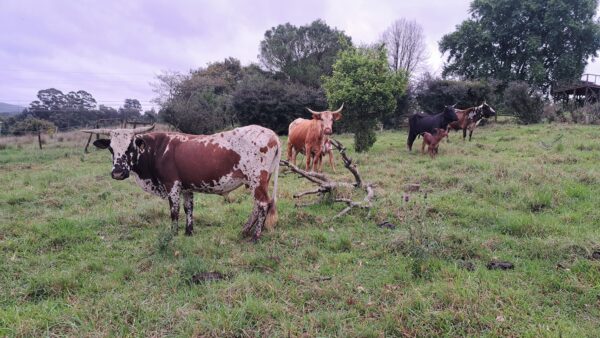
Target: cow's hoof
<point>189,233</point>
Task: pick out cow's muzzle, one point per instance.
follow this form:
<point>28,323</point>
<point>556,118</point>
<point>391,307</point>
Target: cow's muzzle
<point>327,131</point>
<point>120,174</point>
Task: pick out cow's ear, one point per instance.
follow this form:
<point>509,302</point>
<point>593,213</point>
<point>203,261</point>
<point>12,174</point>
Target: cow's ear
<point>140,143</point>
<point>337,116</point>
<point>102,143</point>
<point>316,116</point>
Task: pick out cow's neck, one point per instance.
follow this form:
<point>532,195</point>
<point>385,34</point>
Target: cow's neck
<point>145,161</point>
<point>319,126</point>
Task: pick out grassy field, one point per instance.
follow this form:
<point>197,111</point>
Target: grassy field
<point>84,255</point>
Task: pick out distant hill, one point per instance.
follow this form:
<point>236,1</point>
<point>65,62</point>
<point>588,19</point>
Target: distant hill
<point>10,108</point>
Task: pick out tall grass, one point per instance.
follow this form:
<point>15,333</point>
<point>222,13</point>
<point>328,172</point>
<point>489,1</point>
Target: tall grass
<point>84,255</point>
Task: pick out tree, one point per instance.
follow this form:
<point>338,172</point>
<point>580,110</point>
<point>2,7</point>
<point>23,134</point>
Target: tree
<point>73,109</point>
<point>363,82</point>
<point>199,102</point>
<point>432,93</point>
<point>304,53</point>
<point>150,115</point>
<point>540,42</point>
<point>131,109</point>
<point>405,43</point>
<point>263,100</point>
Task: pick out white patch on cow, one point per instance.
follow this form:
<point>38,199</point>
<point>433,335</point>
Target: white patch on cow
<point>120,139</point>
<point>247,142</point>
<point>149,187</point>
<point>175,190</point>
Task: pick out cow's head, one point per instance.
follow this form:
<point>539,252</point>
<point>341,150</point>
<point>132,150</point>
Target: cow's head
<point>124,146</point>
<point>450,113</point>
<point>487,110</point>
<point>326,118</point>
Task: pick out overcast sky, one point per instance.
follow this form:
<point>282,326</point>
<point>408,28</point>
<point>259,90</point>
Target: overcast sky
<point>113,49</point>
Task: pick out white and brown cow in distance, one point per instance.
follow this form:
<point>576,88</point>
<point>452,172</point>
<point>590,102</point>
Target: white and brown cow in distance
<point>310,137</point>
<point>173,164</point>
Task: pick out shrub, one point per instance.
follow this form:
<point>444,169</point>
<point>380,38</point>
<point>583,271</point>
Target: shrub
<point>432,94</point>
<point>524,102</point>
<point>264,100</point>
<point>588,114</point>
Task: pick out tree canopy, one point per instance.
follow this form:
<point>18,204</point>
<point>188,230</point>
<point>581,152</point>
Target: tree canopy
<point>363,82</point>
<point>262,99</point>
<point>199,102</point>
<point>540,42</point>
<point>304,53</point>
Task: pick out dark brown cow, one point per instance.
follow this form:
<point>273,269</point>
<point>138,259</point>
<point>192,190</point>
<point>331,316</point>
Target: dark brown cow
<point>173,164</point>
<point>308,136</point>
<point>470,118</point>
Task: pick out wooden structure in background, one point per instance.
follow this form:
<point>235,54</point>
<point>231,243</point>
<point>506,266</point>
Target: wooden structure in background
<point>582,92</point>
<point>112,122</point>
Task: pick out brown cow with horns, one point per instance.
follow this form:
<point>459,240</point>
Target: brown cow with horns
<point>173,164</point>
<point>309,137</point>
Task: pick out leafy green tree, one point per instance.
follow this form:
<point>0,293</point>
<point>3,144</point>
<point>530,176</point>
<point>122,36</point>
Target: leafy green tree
<point>304,53</point>
<point>363,82</point>
<point>540,42</point>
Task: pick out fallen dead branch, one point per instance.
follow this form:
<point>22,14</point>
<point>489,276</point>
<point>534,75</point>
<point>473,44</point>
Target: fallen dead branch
<point>328,186</point>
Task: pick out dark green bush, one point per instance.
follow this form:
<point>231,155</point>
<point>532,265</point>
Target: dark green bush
<point>524,102</point>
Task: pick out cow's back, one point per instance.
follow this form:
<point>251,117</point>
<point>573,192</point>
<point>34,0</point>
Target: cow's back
<point>297,133</point>
<point>215,163</point>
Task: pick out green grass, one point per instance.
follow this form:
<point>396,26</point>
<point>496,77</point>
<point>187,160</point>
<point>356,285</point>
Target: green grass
<point>84,255</point>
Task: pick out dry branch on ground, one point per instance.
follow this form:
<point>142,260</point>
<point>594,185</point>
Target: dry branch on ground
<point>326,185</point>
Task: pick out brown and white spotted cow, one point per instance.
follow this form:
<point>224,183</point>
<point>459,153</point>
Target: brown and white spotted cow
<point>172,164</point>
<point>309,137</point>
<point>470,118</point>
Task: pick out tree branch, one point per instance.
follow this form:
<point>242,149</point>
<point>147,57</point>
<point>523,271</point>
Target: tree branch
<point>326,185</point>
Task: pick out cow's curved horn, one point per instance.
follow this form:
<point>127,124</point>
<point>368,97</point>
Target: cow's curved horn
<point>312,111</point>
<point>103,131</point>
<point>339,109</point>
<point>142,130</point>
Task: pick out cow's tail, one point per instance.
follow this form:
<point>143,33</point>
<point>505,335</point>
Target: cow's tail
<point>272,213</point>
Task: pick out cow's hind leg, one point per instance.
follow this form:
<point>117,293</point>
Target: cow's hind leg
<point>261,205</point>
<point>246,230</point>
<point>411,139</point>
<point>188,207</point>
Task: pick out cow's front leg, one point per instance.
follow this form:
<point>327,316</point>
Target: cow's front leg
<point>174,204</point>
<point>471,128</point>
<point>188,207</point>
<point>308,158</point>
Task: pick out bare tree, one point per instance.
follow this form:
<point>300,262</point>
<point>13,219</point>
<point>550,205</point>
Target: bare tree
<point>405,43</point>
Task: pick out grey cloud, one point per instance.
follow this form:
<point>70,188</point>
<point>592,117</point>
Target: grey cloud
<point>113,49</point>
